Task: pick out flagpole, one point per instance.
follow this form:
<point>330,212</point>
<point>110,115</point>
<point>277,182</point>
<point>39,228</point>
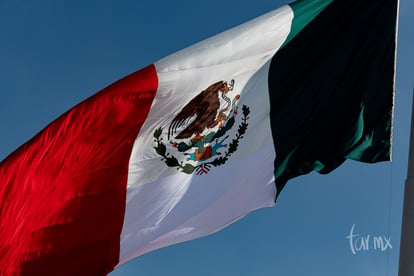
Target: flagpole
<point>406,265</point>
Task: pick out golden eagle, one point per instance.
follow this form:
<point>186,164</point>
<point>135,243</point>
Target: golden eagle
<point>205,107</point>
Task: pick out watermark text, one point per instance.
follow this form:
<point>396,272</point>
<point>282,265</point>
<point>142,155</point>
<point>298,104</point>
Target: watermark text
<point>358,242</point>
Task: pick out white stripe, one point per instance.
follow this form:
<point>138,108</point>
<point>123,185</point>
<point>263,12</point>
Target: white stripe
<point>166,206</point>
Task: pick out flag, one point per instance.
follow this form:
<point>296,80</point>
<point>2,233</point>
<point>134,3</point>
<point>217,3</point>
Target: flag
<point>186,146</point>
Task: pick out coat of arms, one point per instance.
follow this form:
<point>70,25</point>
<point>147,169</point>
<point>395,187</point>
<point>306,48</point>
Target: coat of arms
<point>199,131</point>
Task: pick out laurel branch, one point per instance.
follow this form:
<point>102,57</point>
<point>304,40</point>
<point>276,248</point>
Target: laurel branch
<point>204,167</point>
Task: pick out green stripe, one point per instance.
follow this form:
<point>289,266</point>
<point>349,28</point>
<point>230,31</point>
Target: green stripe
<point>331,87</point>
<point>304,11</point>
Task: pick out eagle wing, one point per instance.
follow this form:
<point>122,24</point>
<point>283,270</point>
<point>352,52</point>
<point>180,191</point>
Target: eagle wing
<point>188,111</point>
<point>204,107</point>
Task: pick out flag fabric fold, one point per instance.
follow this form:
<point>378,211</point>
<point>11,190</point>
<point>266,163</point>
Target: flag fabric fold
<point>186,146</point>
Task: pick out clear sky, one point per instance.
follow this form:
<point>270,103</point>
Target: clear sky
<point>55,53</point>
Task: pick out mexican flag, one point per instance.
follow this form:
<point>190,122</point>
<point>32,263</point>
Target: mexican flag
<point>197,140</point>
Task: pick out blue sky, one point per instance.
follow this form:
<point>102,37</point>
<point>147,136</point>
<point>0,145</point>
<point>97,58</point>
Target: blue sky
<point>55,53</point>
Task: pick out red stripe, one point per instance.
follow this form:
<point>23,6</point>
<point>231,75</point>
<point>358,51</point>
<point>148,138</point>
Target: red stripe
<point>63,193</point>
